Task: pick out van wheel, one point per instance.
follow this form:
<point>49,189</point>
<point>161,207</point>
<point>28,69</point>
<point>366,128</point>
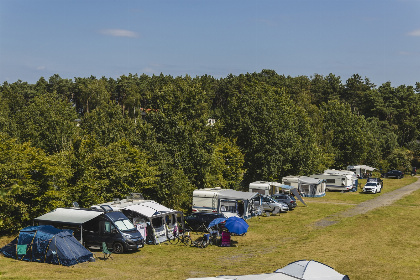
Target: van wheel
<point>117,248</point>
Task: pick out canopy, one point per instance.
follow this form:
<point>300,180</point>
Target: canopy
<point>74,216</point>
<point>309,180</point>
<point>232,194</point>
<point>143,210</point>
<point>47,244</point>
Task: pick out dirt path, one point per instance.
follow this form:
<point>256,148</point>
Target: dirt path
<point>366,206</point>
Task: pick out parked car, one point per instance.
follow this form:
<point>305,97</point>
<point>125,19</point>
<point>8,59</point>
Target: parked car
<point>200,221</point>
<point>394,174</point>
<point>270,205</point>
<point>290,201</point>
<point>372,187</point>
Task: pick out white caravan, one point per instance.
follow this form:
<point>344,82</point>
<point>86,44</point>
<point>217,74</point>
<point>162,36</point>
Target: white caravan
<point>307,186</point>
<point>344,182</point>
<point>154,221</point>
<point>265,188</point>
<point>360,170</point>
<point>225,201</point>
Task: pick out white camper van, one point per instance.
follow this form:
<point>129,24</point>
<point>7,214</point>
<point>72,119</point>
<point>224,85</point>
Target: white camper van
<point>225,201</point>
<point>337,182</point>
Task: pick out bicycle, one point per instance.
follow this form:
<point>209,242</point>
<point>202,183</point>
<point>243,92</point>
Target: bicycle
<point>183,238</point>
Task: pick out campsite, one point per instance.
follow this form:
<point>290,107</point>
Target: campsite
<point>353,246</point>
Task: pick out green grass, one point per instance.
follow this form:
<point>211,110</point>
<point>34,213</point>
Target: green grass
<point>381,244</point>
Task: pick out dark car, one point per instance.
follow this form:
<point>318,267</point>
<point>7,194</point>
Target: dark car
<point>200,221</point>
<point>290,201</point>
<point>394,174</point>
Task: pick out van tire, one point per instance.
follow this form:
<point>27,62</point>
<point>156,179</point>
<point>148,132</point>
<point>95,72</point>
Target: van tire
<point>117,248</point>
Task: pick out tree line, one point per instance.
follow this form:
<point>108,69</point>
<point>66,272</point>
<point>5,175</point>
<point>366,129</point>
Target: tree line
<point>94,139</point>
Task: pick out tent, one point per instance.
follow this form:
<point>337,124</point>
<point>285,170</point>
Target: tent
<point>47,244</point>
<point>299,270</point>
<point>311,270</point>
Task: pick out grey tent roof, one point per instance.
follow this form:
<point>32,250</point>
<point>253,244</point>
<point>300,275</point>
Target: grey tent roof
<point>232,194</point>
<point>266,276</point>
<point>311,270</point>
<point>69,215</point>
<point>309,180</point>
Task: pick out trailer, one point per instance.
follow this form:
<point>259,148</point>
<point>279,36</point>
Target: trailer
<point>264,187</point>
<point>153,220</point>
<point>306,186</point>
<point>361,171</point>
<point>225,201</point>
<point>336,181</point>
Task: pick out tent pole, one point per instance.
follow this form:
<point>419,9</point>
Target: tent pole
<point>81,234</point>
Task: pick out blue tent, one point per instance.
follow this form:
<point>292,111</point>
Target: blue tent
<point>47,244</point>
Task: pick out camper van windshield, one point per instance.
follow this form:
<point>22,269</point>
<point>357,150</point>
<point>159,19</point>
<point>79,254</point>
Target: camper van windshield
<point>124,225</point>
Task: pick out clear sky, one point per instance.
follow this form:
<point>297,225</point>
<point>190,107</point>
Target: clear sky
<point>377,39</point>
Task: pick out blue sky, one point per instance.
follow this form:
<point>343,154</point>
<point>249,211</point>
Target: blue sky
<point>377,39</point>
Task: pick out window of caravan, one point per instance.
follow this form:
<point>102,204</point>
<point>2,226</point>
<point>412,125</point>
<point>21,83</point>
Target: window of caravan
<point>157,222</point>
<point>124,225</point>
<point>228,206</point>
<point>331,181</point>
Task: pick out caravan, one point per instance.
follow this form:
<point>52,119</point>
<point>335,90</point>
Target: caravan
<point>264,187</point>
<point>153,220</point>
<point>225,201</point>
<point>306,186</point>
<point>337,180</point>
<point>361,171</point>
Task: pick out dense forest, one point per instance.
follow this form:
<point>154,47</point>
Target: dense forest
<point>91,140</point>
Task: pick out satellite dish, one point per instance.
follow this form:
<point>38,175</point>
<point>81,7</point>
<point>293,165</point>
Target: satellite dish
<point>75,204</point>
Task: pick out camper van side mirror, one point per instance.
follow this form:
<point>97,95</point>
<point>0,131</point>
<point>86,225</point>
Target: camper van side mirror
<point>114,230</point>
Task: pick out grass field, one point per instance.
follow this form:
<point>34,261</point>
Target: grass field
<point>381,244</point>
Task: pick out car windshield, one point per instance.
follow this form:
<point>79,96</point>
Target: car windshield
<point>370,184</point>
<point>124,225</point>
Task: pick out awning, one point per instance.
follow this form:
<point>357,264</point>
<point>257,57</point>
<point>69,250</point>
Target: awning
<point>157,206</point>
<point>232,194</point>
<point>309,180</point>
<point>143,210</point>
<point>69,216</point>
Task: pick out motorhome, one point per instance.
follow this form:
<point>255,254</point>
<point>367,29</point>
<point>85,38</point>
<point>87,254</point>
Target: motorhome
<point>225,201</point>
<point>337,182</point>
<point>94,226</point>
<point>153,220</point>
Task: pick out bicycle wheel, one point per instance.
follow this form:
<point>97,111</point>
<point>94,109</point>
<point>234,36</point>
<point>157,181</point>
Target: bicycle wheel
<point>186,240</point>
<point>173,240</point>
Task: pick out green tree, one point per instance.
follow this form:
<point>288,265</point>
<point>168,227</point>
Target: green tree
<point>31,183</point>
<point>113,171</point>
<point>347,132</point>
<point>48,122</point>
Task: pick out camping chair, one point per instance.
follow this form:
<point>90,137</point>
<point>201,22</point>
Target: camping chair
<point>107,253</point>
<point>225,242</point>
